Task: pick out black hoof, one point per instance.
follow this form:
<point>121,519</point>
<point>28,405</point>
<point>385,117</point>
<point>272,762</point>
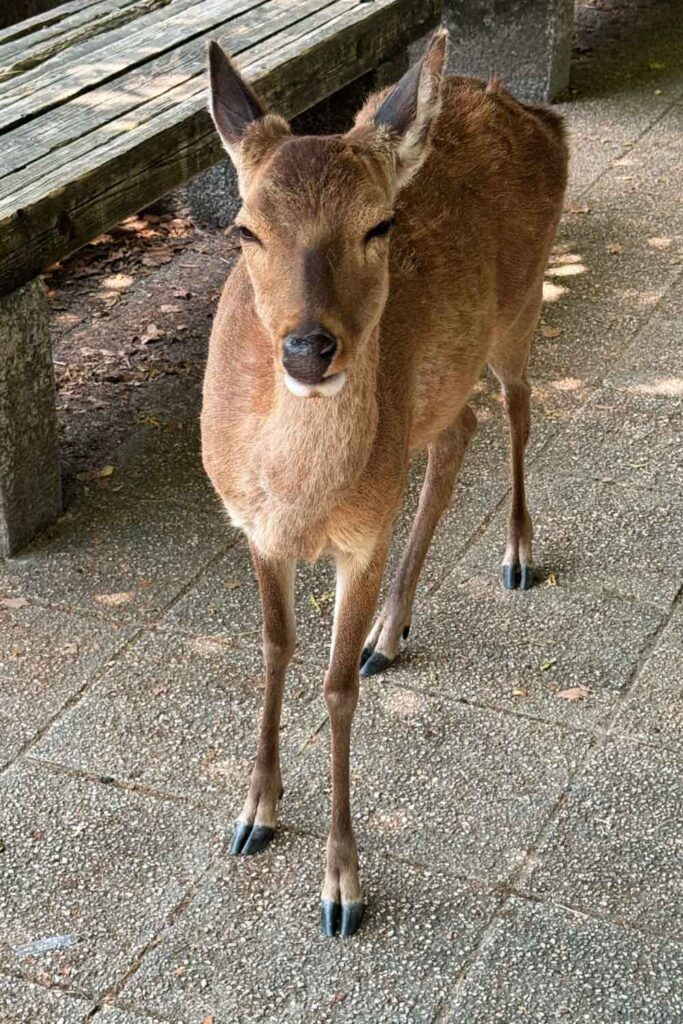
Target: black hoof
<point>340,918</point>
<point>526,577</point>
<point>375,663</point>
<point>510,577</point>
<point>352,915</point>
<point>330,918</point>
<point>248,839</point>
<point>406,632</point>
<point>365,654</point>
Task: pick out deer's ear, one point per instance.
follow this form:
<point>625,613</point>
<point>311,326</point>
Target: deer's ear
<point>410,108</point>
<point>232,104</point>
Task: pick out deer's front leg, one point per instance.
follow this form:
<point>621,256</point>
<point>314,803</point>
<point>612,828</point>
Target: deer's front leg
<point>256,824</point>
<point>357,591</point>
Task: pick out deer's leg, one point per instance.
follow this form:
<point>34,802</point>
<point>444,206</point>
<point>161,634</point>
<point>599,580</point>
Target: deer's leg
<point>518,569</point>
<point>357,590</point>
<point>256,824</point>
<point>445,456</point>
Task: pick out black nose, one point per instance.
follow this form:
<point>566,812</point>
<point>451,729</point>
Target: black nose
<point>307,357</point>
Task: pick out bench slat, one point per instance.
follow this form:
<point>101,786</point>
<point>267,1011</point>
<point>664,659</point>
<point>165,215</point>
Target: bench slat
<point>101,58</point>
<point>27,49</point>
<point>49,136</point>
<point>59,213</point>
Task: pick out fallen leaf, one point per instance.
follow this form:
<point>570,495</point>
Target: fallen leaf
<point>233,584</point>
<point>13,602</point>
<point>169,309</point>
<point>117,282</point>
<point>551,580</point>
<point>545,665</point>
<point>69,648</point>
<point>151,333</point>
<point>339,997</point>
<point>520,692</point>
<point>614,248</point>
<point>114,600</point>
<point>210,1019</point>
<point>576,208</point>
<point>97,474</point>
<point>573,693</point>
<point>551,332</point>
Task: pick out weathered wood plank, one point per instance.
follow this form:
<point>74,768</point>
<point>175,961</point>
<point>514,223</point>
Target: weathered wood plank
<point>29,50</point>
<point>61,213</point>
<point>102,58</point>
<point>50,134</point>
<point>41,20</point>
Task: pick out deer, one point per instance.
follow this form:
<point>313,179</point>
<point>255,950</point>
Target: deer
<point>381,271</point>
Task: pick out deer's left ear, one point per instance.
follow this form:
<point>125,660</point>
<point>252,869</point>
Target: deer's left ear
<point>412,106</point>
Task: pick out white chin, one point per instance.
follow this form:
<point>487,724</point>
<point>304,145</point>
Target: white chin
<point>326,389</point>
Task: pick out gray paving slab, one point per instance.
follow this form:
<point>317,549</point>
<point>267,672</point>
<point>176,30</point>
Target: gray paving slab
<point>46,656</point>
<point>22,1002</point>
<point>521,652</point>
<point>439,783</point>
<point>543,963</point>
<point>117,557</point>
<point>93,868</point>
<point>594,535</point>
<point>180,715</point>
<point>249,948</point>
<point>621,438</point>
<point>616,846</point>
<point>654,709</point>
<point>653,363</point>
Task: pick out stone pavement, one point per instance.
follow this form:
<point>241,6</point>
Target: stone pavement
<point>522,851</point>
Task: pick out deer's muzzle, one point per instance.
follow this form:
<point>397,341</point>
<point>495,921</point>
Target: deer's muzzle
<point>307,357</point>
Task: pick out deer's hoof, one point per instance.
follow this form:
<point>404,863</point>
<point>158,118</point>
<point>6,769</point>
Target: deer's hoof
<point>342,919</point>
<point>518,577</point>
<point>248,839</point>
<point>374,663</point>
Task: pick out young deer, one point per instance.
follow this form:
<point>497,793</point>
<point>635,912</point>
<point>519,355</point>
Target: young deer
<point>381,270</point>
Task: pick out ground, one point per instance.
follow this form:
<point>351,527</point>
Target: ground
<point>517,782</point>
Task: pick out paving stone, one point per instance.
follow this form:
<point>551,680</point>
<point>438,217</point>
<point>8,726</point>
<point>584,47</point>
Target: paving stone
<point>473,641</point>
<point>611,538</point>
<point>542,963</point>
<point>232,953</point>
<point>439,783</point>
<point>46,656</point>
<point>90,861</point>
<point>116,556</point>
<point>180,714</point>
<point>24,1003</point>
<point>654,710</point>
<point>619,437</point>
<point>616,847</point>
<point>653,364</point>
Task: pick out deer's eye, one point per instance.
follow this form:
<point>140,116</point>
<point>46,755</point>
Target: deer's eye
<point>244,234</point>
<point>380,230</point>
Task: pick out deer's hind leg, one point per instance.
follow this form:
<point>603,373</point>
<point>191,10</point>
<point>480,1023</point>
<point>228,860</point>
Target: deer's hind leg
<point>445,455</point>
<point>509,363</point>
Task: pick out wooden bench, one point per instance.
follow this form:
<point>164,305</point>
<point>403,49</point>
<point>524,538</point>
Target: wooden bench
<point>103,111</point>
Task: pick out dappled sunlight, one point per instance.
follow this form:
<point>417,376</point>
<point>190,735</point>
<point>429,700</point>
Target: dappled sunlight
<point>668,387</point>
<point>553,292</point>
<point>563,264</point>
<point>566,270</point>
<point>404,704</point>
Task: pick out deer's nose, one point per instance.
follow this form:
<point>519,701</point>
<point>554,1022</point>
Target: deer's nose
<point>307,357</point>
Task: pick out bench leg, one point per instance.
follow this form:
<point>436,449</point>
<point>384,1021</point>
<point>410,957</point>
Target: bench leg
<point>30,484</point>
<point>526,42</point>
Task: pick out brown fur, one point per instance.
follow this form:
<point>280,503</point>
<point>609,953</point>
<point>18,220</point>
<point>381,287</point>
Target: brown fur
<point>460,287</point>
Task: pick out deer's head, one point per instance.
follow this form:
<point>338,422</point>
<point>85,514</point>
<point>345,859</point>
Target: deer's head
<point>317,213</point>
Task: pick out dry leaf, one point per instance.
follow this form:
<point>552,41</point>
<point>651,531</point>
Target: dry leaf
<point>615,248</point>
<point>169,309</point>
<point>13,602</point>
<point>97,474</point>
<point>151,333</point>
<point>551,332</point>
<point>114,600</point>
<point>339,997</point>
<point>552,580</point>
<point>520,692</point>
<point>117,282</point>
<point>573,693</point>
<point>233,584</point>
<point>577,208</point>
<point>69,648</point>
<point>210,1019</point>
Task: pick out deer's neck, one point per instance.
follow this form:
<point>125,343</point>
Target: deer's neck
<point>314,450</point>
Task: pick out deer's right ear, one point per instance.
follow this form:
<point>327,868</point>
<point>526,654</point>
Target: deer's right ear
<point>232,104</point>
